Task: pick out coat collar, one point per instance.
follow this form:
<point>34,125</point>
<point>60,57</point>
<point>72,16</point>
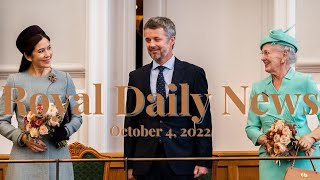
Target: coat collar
<point>288,76</point>
<point>271,90</point>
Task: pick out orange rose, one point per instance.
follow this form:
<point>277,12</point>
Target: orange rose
<point>279,148</point>
<point>31,116</point>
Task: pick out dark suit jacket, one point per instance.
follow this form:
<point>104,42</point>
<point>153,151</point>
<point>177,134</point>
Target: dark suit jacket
<point>143,147</point>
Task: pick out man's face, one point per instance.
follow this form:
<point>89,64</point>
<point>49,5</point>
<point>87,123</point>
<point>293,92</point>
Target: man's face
<point>158,44</point>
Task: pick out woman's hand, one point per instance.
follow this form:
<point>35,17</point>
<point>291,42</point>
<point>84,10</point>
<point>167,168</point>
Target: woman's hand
<point>309,152</point>
<point>306,142</point>
<point>264,141</point>
<point>35,145</point>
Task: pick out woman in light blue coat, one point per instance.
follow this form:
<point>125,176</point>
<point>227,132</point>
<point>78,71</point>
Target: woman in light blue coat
<point>36,76</point>
<point>278,52</point>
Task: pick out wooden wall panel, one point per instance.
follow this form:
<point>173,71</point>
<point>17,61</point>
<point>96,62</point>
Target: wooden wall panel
<point>3,166</point>
<point>116,168</point>
<point>249,173</point>
<point>221,173</point>
<point>237,170</point>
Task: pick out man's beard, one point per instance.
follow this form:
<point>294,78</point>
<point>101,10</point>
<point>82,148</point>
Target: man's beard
<point>158,57</point>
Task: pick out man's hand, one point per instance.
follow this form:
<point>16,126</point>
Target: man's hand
<point>130,175</point>
<point>200,171</point>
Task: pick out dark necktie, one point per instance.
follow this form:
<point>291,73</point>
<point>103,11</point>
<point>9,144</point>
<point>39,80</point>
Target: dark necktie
<point>161,84</point>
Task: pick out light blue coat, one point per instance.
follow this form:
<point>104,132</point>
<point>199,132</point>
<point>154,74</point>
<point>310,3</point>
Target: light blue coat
<point>293,83</point>
<point>32,85</point>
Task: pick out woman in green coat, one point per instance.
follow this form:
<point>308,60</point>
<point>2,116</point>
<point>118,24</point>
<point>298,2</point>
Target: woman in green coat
<point>278,53</point>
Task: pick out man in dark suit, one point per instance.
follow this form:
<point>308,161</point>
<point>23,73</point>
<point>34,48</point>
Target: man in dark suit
<point>173,135</point>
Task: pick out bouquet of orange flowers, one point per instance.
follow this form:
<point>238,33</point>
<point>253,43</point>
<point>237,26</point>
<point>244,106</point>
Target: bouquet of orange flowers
<point>281,140</point>
<point>41,124</point>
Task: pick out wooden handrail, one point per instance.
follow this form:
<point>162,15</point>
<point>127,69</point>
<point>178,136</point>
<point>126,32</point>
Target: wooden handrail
<point>158,159</point>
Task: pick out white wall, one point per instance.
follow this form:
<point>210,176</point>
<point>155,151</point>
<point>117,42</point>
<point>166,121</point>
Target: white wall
<point>63,21</point>
<point>307,30</point>
<point>223,38</point>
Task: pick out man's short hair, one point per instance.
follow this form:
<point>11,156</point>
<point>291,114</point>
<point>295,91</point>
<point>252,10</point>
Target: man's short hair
<point>161,22</point>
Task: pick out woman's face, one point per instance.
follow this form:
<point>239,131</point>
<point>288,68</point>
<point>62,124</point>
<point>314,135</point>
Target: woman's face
<point>41,56</point>
<point>274,57</point>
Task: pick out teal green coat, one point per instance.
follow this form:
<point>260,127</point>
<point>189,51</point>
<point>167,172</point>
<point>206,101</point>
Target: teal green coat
<point>293,83</point>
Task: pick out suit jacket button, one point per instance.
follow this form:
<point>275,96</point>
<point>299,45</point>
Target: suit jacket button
<point>161,121</point>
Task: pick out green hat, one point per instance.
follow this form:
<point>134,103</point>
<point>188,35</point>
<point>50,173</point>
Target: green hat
<point>280,37</point>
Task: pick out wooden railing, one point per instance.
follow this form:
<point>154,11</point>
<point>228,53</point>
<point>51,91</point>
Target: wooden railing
<point>116,171</point>
<point>228,165</point>
<point>231,170</point>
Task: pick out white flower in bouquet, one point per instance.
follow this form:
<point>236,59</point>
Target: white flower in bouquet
<point>285,139</point>
<point>34,132</point>
<point>28,127</point>
<point>52,110</point>
<point>276,138</point>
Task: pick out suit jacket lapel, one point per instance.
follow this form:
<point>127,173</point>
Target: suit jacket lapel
<point>146,78</point>
<point>177,73</point>
<point>176,79</point>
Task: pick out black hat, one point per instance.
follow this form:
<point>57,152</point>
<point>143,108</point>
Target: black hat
<point>27,34</point>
